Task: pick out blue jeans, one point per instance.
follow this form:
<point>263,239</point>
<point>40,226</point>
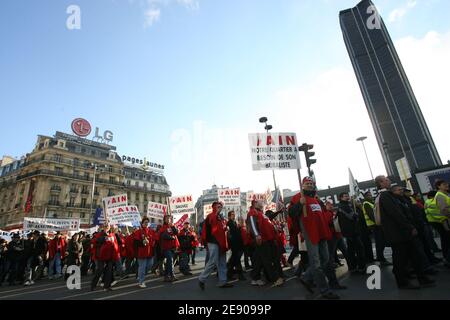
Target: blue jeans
<point>216,259</point>
<point>54,266</point>
<point>168,254</point>
<point>184,262</point>
<point>318,262</point>
<point>144,266</point>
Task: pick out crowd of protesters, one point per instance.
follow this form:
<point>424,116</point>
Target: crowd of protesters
<point>317,231</point>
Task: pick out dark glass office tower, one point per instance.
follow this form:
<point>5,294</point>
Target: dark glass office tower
<point>396,117</point>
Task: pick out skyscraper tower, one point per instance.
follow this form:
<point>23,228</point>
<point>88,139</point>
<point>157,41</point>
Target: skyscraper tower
<point>397,120</point>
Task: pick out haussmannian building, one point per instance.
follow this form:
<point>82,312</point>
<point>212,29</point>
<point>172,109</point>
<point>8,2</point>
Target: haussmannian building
<point>56,180</point>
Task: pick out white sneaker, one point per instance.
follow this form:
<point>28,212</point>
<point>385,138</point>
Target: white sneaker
<point>32,282</point>
<point>27,283</point>
<point>113,283</point>
<point>142,285</point>
<point>279,282</point>
<point>102,284</point>
<point>259,283</point>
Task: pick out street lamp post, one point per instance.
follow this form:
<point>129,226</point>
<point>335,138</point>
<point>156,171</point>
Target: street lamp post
<point>269,127</point>
<point>365,152</point>
<point>91,221</point>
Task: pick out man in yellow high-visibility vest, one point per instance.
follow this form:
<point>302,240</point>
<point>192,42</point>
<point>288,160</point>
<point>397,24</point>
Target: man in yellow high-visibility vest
<point>369,215</point>
<point>439,215</point>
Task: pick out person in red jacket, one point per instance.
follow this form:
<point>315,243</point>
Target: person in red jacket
<point>129,254</point>
<point>56,252</point>
<point>168,242</point>
<point>330,216</point>
<point>144,241</point>
<point>265,236</point>
<point>248,245</point>
<point>306,208</point>
<point>214,234</point>
<point>195,244</point>
<point>106,255</point>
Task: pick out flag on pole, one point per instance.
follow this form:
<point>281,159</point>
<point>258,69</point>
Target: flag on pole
<point>354,188</point>
<point>278,199</point>
<point>269,196</point>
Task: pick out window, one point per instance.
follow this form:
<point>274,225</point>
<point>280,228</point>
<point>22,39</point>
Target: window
<point>83,202</point>
<point>94,203</point>
<point>76,173</point>
<point>76,162</point>
<point>69,214</point>
<point>72,201</point>
<point>82,215</point>
<point>58,170</point>
<point>58,157</point>
<point>112,180</point>
<point>137,196</point>
<point>145,185</point>
<point>136,184</point>
<point>54,199</point>
<point>86,175</point>
<point>128,183</point>
<point>153,198</point>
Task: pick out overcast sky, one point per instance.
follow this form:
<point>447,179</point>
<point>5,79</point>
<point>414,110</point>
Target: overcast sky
<point>183,82</point>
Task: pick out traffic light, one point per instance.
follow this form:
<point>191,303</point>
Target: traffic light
<point>308,154</point>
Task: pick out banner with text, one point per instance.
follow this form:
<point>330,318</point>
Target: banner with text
<point>274,151</point>
<point>179,206</point>
<point>156,210</point>
<point>230,197</point>
<point>180,221</point>
<point>255,196</point>
<point>207,209</point>
<point>125,216</point>
<point>51,224</point>
<point>113,202</point>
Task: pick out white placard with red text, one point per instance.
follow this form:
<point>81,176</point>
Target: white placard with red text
<point>274,151</point>
<point>156,210</point>
<point>124,216</point>
<point>229,197</point>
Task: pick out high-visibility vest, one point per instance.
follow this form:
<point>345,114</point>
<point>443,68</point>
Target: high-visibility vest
<point>369,221</point>
<point>433,212</point>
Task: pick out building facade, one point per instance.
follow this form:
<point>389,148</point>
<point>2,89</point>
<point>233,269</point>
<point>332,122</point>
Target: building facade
<point>211,195</point>
<point>397,119</point>
<point>56,180</point>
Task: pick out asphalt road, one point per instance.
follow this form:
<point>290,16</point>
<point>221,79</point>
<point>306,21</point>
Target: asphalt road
<point>187,289</point>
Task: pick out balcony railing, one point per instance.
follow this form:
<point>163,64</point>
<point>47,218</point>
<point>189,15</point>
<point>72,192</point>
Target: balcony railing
<point>70,162</point>
<point>54,203</point>
<point>55,188</point>
<point>67,175</point>
<point>85,191</point>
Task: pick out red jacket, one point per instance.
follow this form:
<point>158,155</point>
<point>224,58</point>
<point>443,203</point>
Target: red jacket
<point>168,238</point>
<point>246,237</point>
<point>261,225</point>
<point>129,246</point>
<point>144,251</point>
<point>329,216</point>
<point>123,246</point>
<point>108,247</point>
<point>218,229</point>
<point>53,247</point>
<point>315,224</point>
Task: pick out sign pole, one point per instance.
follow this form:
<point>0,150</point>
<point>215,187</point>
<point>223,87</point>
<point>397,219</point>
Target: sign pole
<point>305,213</point>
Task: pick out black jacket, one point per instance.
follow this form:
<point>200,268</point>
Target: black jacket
<point>16,250</point>
<point>396,221</point>
<point>75,250</point>
<point>235,236</point>
<point>348,219</point>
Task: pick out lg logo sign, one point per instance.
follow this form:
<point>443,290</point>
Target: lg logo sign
<point>82,128</point>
